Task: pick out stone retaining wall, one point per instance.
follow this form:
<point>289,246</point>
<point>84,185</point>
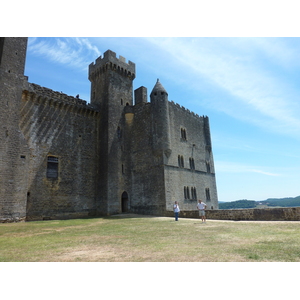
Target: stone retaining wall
<point>251,214</point>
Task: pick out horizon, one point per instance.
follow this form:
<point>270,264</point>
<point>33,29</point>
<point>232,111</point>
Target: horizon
<point>260,200</point>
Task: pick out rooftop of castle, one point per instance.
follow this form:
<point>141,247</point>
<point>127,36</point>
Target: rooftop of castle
<point>158,88</point>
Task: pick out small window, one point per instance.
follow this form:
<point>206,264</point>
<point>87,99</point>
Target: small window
<point>183,134</point>
<point>194,193</point>
<point>207,193</point>
<point>208,167</point>
<point>186,192</point>
<point>180,161</point>
<point>119,132</point>
<point>52,167</point>
<point>192,164</point>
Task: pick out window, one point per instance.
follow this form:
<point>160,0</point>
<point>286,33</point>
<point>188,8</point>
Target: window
<point>192,164</point>
<point>208,167</point>
<point>186,192</point>
<point>119,132</point>
<point>194,193</point>
<point>52,167</point>
<point>207,193</point>
<point>180,161</point>
<point>183,134</point>
<point>187,195</point>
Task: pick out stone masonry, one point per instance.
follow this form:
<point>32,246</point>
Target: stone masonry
<point>64,158</point>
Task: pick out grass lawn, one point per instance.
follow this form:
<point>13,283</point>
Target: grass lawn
<point>136,238</point>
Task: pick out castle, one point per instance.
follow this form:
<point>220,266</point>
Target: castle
<point>62,157</point>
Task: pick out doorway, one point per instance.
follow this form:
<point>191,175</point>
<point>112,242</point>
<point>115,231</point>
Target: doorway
<point>124,202</point>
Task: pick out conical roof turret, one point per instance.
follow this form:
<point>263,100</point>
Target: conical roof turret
<point>158,89</point>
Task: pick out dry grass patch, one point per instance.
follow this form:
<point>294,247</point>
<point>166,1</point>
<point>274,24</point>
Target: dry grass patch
<point>140,238</point>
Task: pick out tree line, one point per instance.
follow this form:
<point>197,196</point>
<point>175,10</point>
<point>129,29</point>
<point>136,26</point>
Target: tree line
<point>271,202</point>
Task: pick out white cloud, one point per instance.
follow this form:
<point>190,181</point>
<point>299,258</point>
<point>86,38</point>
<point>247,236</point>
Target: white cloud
<point>73,52</point>
<point>281,51</point>
<point>263,172</point>
<point>234,167</point>
<point>254,91</point>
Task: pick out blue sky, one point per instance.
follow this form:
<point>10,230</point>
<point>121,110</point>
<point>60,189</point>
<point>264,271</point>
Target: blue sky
<point>248,87</point>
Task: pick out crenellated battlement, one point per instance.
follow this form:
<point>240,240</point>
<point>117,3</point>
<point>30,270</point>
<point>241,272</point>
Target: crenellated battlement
<point>45,95</point>
<point>110,62</point>
<point>187,111</point>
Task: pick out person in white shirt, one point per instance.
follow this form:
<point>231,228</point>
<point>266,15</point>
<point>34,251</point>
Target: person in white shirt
<point>201,207</point>
<point>176,210</point>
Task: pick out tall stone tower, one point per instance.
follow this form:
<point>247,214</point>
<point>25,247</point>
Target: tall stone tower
<point>161,122</point>
<point>14,154</point>
<point>111,90</point>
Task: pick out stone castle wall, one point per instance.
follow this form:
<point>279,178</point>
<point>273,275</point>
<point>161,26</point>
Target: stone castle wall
<point>64,128</point>
<point>14,152</point>
<point>250,214</point>
<point>189,146</point>
<point>64,158</point>
<point>147,189</point>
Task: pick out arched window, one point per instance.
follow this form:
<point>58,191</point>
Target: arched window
<point>208,167</point>
<point>183,134</point>
<point>194,193</point>
<point>192,164</point>
<point>180,161</point>
<point>207,193</point>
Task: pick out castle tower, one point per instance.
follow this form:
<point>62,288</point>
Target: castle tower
<point>161,120</point>
<point>111,90</point>
<point>14,154</point>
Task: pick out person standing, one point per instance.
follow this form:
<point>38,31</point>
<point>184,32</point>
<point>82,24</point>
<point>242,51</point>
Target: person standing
<point>176,210</point>
<point>201,207</point>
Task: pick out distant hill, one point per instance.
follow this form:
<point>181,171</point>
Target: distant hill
<point>238,204</point>
<point>271,202</point>
<point>283,202</point>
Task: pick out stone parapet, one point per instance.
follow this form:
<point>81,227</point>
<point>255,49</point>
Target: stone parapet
<point>251,214</point>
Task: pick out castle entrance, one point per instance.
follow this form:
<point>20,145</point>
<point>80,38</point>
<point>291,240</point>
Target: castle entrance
<point>124,202</point>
